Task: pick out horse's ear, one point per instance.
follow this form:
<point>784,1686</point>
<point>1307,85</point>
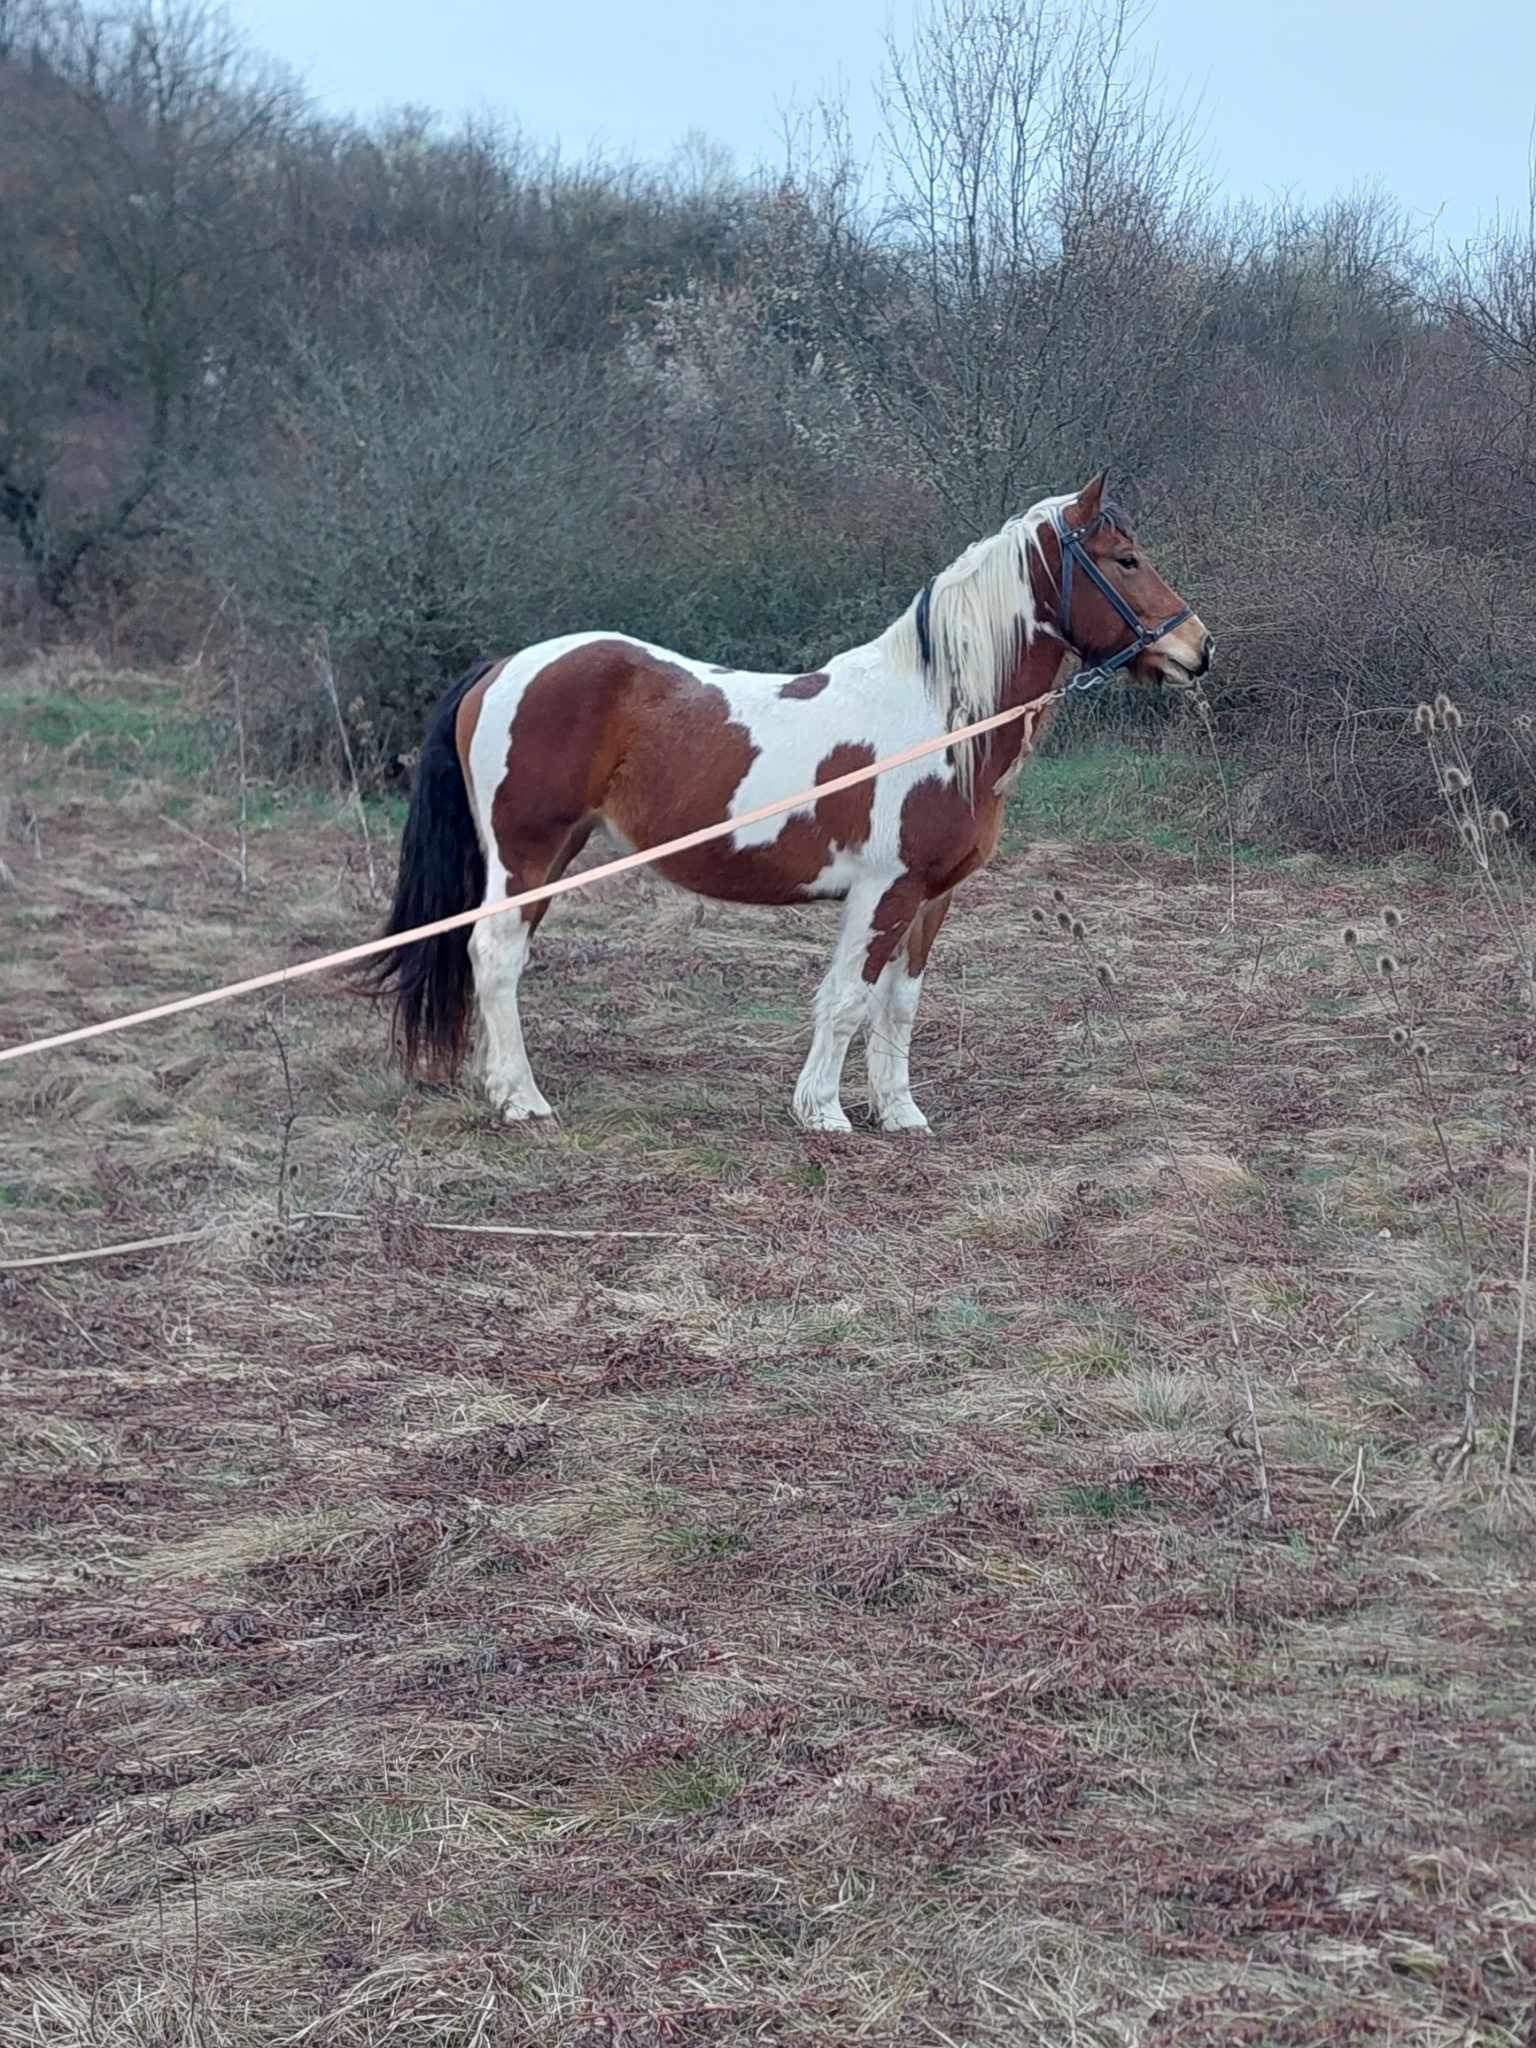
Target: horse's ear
<point>1085,507</point>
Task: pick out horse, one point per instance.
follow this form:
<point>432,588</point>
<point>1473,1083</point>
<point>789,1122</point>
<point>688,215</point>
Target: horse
<point>527,753</point>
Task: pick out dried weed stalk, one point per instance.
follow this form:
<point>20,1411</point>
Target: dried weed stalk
<point>1077,930</point>
<point>1388,987</point>
<point>1525,1295</point>
<point>290,1117</point>
<point>1482,832</point>
<point>327,674</point>
<point>1202,705</point>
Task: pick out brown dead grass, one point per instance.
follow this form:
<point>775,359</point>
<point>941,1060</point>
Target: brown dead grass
<point>846,1622</point>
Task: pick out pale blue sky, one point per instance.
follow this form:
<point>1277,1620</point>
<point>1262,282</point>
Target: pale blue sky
<point>1435,100</point>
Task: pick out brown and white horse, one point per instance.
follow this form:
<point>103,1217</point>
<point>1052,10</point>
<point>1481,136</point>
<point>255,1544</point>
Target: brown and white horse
<point>525,755</point>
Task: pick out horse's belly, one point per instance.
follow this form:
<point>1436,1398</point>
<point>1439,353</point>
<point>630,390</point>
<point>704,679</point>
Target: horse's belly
<point>752,874</point>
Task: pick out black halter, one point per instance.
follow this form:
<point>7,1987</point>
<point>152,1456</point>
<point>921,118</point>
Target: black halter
<point>1073,554</point>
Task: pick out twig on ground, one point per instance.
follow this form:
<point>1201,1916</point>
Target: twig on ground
<point>208,846</point>
<point>105,1251</point>
<point>1355,1507</point>
<point>490,1229</point>
<point>1525,1295</point>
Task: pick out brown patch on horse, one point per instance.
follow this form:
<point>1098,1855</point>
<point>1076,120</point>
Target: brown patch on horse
<point>943,837</point>
<point>805,686</point>
<point>570,849</point>
<point>890,922</point>
<point>923,930</point>
<point>941,834</point>
<point>612,730</point>
<point>844,817</point>
<point>561,754</point>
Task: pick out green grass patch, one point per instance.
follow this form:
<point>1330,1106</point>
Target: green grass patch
<point>1106,1503</point>
<point>1095,1357</point>
<point>693,1786</point>
<point>692,1543</point>
<point>1166,800</point>
<point>1102,792</point>
<point>269,807</point>
<point>713,1162</point>
<point>107,733</point>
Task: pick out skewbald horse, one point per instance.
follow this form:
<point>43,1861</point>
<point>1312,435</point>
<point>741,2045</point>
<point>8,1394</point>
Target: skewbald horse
<point>526,754</point>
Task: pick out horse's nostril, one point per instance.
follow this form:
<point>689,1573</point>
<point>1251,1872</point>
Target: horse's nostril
<point>1207,653</point>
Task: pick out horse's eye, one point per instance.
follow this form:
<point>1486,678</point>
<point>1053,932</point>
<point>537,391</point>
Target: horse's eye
<point>1128,561</point>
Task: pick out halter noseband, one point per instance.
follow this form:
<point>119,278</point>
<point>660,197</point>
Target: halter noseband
<point>1073,552</point>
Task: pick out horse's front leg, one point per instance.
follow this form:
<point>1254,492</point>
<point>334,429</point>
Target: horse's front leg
<point>892,1015</point>
<point>875,920</point>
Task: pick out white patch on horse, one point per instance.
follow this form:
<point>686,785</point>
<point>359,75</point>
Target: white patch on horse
<point>863,706</point>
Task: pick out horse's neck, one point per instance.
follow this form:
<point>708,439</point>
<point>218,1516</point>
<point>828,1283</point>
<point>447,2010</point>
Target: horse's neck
<point>1001,754</point>
<point>1034,672</point>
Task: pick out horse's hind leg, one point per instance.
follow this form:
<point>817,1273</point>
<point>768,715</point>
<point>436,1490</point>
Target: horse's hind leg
<point>499,949</point>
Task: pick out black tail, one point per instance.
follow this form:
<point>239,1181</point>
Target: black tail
<point>442,871</point>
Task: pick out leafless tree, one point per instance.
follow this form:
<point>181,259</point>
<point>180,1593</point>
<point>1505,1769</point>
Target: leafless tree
<point>128,261</point>
<point>1039,199</point>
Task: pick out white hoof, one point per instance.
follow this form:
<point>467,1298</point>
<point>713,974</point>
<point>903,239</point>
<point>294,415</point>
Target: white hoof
<point>902,1115</point>
<point>821,1116</point>
<point>518,1106</point>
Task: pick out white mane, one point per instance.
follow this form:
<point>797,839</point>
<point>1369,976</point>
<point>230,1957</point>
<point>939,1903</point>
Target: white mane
<point>981,614</point>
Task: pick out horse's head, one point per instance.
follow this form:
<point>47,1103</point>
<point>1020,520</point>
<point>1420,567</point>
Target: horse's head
<point>1108,602</point>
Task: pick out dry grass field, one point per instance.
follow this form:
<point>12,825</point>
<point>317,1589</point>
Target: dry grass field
<point>846,1616</point>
